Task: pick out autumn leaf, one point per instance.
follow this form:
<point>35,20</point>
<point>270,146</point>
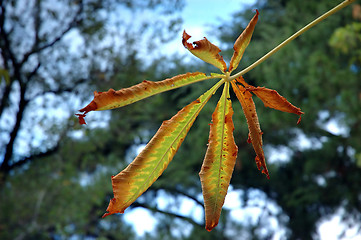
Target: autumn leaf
<point>242,42</point>
<point>272,99</point>
<point>115,99</point>
<point>130,183</point>
<point>206,51</point>
<point>219,161</point>
<point>255,133</point>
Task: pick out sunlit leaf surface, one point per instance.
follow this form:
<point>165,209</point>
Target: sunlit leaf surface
<point>130,183</point>
<point>115,99</point>
<point>219,161</point>
<point>242,42</point>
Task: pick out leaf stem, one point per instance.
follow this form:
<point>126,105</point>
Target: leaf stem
<point>288,40</point>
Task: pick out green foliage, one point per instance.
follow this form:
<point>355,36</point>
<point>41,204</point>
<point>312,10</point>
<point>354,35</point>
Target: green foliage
<point>347,41</point>
<point>4,76</point>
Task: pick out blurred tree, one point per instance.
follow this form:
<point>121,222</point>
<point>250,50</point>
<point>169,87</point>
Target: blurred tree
<point>347,39</point>
<point>55,176</point>
<point>48,49</point>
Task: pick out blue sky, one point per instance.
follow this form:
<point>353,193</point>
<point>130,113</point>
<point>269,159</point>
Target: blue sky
<point>199,15</point>
<point>202,12</point>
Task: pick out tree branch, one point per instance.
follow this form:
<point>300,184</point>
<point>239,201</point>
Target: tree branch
<point>36,46</point>
<point>6,91</point>
<point>30,158</point>
<point>5,98</point>
<point>40,155</point>
<point>61,90</point>
<point>174,190</point>
<point>154,209</point>
<point>5,42</point>
<point>31,74</point>
<point>8,55</point>
<point>23,80</point>
<point>5,165</point>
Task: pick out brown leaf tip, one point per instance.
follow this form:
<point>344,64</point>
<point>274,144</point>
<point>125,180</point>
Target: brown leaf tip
<point>81,118</point>
<point>201,47</point>
<point>90,107</point>
<point>185,38</point>
<point>200,44</point>
<point>106,214</point>
<point>209,227</point>
<point>262,165</point>
<point>112,208</point>
<point>299,119</point>
<point>265,171</point>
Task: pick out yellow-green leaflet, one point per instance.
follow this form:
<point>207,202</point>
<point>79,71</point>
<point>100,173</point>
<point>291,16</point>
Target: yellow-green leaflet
<point>219,161</point>
<point>130,183</point>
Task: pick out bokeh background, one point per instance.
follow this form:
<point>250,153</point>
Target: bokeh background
<point>55,174</point>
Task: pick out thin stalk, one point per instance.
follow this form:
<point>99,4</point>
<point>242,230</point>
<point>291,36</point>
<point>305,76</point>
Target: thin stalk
<point>288,40</point>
